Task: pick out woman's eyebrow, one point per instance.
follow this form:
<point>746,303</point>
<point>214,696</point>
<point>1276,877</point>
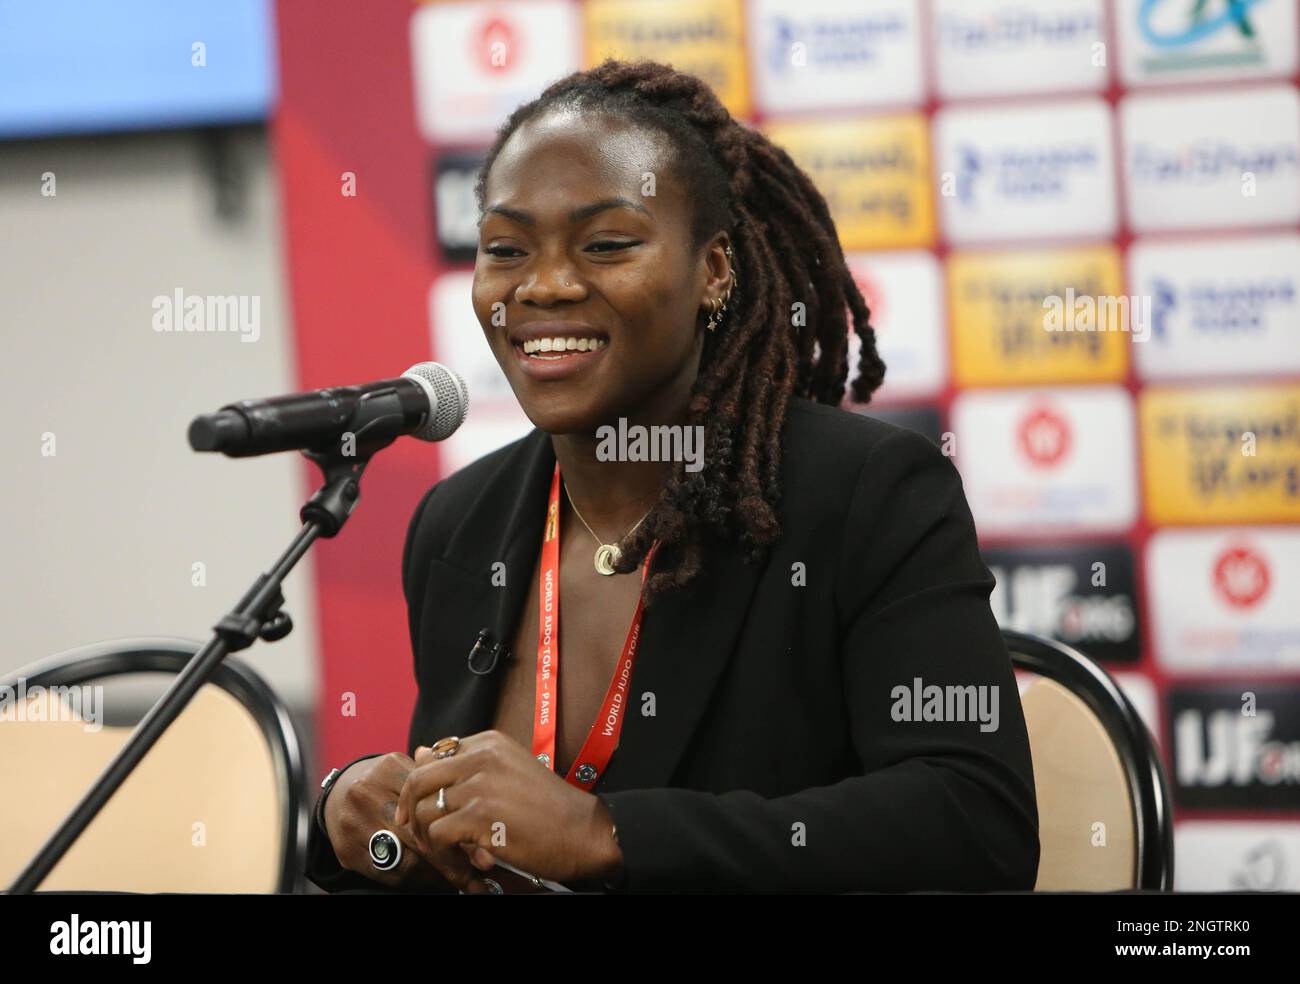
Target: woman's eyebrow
<point>577,215</point>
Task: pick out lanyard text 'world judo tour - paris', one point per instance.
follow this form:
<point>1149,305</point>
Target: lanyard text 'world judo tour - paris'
<point>602,739</point>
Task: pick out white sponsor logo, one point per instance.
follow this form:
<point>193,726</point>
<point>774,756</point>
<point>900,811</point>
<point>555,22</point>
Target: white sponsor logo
<point>473,63</point>
<point>1180,41</point>
<point>1225,306</point>
<point>1026,173</point>
<point>1237,857</point>
<point>1218,159</point>
<point>1039,460</point>
<point>835,53</point>
<point>1225,598</point>
<point>1002,47</point>
<point>905,294</point>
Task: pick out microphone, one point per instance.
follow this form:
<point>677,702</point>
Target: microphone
<point>428,401</point>
<point>487,653</point>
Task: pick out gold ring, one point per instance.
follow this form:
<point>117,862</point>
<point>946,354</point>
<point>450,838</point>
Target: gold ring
<point>445,747</point>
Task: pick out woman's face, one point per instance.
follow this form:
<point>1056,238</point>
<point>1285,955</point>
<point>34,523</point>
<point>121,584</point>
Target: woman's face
<point>585,238</point>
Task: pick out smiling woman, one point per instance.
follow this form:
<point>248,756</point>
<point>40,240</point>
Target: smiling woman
<point>723,720</point>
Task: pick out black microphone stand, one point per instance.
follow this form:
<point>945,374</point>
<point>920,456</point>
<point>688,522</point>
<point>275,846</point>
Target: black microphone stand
<point>258,615</point>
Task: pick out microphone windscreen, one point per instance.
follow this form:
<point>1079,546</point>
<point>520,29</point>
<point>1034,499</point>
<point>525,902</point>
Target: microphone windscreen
<point>448,399</point>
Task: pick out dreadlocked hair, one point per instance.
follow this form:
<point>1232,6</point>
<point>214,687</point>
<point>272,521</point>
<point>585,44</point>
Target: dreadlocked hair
<point>766,349</point>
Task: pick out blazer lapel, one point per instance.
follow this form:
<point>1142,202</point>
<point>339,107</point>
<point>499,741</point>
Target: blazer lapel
<point>504,525</point>
<point>522,534</point>
<point>688,637</point>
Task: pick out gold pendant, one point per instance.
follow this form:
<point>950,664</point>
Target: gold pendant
<point>607,555</point>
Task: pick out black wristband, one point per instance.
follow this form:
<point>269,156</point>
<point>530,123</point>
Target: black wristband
<point>327,785</point>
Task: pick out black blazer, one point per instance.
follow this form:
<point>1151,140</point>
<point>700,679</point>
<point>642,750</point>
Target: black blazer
<point>774,761</point>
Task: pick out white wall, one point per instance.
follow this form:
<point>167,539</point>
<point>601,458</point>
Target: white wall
<point>98,541</point>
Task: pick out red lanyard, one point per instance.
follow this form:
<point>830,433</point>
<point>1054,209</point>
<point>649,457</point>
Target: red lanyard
<point>602,739</point>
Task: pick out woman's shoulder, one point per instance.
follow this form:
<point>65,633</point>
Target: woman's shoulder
<point>830,447</point>
<point>885,499</point>
<point>807,419</point>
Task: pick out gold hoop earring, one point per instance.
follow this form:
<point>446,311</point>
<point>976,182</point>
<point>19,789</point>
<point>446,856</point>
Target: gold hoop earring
<point>718,306</point>
<point>715,305</point>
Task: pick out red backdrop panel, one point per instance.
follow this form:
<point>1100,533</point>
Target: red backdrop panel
<point>359,269</point>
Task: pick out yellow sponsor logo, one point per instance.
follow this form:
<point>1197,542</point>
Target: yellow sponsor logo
<point>874,173</point>
<point>700,37</point>
<point>1228,454</point>
<point>552,521</point>
<point>1047,316</point>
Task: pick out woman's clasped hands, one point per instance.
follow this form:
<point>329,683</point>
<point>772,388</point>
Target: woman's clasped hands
<point>465,804</point>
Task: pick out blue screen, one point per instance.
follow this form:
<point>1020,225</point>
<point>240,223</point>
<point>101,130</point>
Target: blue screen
<point>76,66</point>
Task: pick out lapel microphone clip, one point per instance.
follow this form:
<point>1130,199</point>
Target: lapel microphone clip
<point>487,652</point>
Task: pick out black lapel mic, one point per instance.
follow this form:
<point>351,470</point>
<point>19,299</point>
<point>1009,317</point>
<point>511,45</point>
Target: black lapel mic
<point>487,653</point>
<point>428,401</point>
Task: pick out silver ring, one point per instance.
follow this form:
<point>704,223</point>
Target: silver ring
<point>442,799</point>
<point>385,850</point>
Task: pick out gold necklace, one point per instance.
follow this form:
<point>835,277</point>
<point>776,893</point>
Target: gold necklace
<point>607,554</point>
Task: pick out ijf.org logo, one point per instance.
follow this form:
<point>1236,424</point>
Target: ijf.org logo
<point>1222,749</point>
<point>1228,307</point>
<point>833,45</point>
<point>1035,175</point>
<point>1236,745</point>
<point>1178,29</point>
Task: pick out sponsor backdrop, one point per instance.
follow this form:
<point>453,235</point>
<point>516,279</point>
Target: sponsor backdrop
<point>1077,223</point>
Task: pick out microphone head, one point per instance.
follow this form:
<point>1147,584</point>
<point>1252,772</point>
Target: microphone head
<point>448,400</point>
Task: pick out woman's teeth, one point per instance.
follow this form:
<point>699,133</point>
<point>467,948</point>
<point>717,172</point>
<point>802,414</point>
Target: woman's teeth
<point>538,347</point>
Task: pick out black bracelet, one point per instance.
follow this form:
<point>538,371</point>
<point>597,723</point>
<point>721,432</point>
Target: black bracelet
<point>327,784</point>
